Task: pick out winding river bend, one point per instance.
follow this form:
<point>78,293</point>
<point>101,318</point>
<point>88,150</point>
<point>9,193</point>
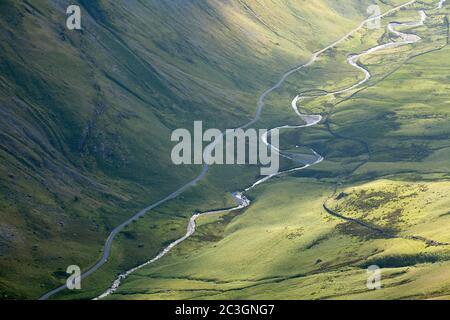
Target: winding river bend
<point>309,120</point>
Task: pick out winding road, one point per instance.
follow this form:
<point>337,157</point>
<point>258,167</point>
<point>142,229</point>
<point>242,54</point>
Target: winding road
<point>310,120</point>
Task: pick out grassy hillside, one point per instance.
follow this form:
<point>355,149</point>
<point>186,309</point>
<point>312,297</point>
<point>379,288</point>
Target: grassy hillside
<point>87,116</point>
<point>385,178</point>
